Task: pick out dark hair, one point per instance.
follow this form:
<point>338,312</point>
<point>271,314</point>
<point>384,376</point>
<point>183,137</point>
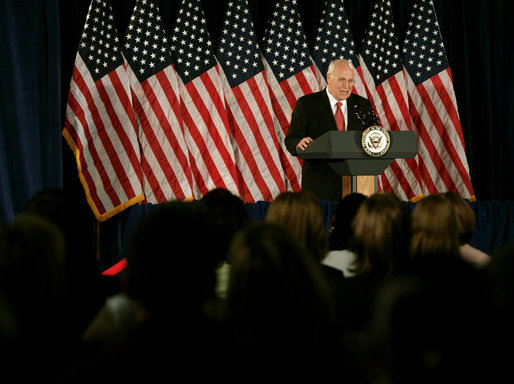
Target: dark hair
<point>170,268</point>
<point>275,285</point>
<point>341,227</point>
<point>50,203</point>
<point>228,214</point>
<point>32,274</point>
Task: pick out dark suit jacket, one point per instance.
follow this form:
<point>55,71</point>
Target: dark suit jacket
<point>312,117</point>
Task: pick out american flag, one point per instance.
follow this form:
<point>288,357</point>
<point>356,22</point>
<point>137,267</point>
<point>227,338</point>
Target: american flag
<point>249,108</point>
<point>164,154</point>
<point>291,74</point>
<point>433,106</point>
<point>382,70</point>
<point>100,126</point>
<point>202,103</point>
<point>334,40</point>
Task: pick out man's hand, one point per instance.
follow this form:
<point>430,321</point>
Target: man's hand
<point>304,143</point>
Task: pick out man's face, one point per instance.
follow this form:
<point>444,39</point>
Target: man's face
<point>340,82</point>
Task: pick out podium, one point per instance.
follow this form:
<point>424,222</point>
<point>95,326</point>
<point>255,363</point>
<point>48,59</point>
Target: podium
<point>344,153</point>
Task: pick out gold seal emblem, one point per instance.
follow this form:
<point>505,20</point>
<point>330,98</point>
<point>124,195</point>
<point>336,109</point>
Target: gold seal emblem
<point>375,141</point>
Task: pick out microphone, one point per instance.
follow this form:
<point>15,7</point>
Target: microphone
<point>367,119</point>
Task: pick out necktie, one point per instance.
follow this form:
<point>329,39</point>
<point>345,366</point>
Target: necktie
<point>339,117</point>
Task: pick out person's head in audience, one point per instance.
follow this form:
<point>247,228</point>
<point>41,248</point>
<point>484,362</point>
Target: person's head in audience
<point>277,292</point>
<point>464,215</point>
<point>228,214</point>
<point>465,228</point>
<point>280,312</point>
<point>448,303</point>
<point>300,213</point>
<point>380,235</point>
<point>434,228</point>
<point>52,204</point>
<point>170,266</point>
<point>431,327</point>
<point>86,287</point>
<point>60,208</point>
<point>341,226</point>
<point>32,275</point>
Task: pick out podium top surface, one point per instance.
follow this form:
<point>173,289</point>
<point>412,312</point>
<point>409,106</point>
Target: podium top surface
<point>347,145</point>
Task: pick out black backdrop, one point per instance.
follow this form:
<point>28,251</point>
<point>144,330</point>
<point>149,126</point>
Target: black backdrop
<point>477,36</point>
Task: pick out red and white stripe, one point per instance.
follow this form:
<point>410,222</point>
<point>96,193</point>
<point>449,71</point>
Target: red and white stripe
<point>207,133</point>
<point>255,143</point>
<point>283,98</point>
<point>390,102</point>
<point>164,153</point>
<point>443,162</point>
<point>100,128</point>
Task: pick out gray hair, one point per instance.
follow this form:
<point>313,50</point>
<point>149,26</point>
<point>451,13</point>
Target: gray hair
<point>333,63</point>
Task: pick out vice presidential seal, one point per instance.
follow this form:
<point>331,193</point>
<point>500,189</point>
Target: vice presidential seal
<point>375,141</point>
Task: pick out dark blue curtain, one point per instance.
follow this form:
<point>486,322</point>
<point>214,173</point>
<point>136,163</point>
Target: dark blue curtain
<point>30,116</point>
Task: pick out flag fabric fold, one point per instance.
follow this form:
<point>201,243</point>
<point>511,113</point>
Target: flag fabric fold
<point>164,153</point>
<point>291,74</point>
<point>334,40</point>
<point>433,106</point>
<point>202,103</point>
<point>382,71</point>
<point>255,143</point>
<point>100,125</point>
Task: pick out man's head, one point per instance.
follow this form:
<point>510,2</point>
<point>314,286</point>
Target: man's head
<point>340,78</point>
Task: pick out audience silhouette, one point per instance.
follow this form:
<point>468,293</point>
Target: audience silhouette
<point>300,214</point>
<point>228,214</point>
<point>279,309</point>
<point>340,256</point>
<point>430,318</point>
<point>33,286</point>
<point>87,289</point>
<point>210,295</point>
<point>380,237</point>
<point>171,275</point>
<point>341,223</point>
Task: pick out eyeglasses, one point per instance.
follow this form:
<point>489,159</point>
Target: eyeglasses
<point>343,80</point>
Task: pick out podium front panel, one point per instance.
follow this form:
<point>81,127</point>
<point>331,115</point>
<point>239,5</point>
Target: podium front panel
<point>368,166</point>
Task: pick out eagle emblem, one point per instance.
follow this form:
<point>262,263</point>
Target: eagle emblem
<point>375,141</point>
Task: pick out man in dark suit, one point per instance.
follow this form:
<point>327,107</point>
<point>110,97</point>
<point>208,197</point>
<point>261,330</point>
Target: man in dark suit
<point>316,114</point>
